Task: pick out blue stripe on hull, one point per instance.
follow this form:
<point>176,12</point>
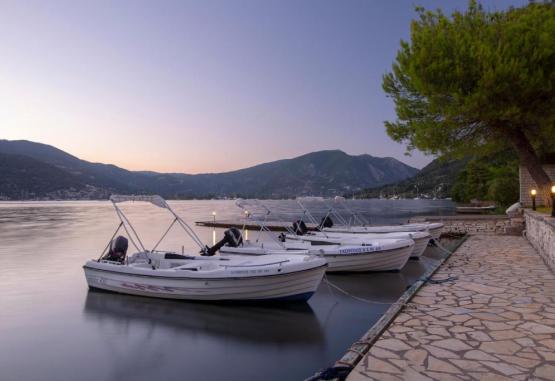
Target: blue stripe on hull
<point>291,298</point>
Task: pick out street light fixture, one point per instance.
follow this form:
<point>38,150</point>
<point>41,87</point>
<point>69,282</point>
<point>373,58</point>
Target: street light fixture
<point>533,193</point>
<point>553,201</point>
<point>214,216</point>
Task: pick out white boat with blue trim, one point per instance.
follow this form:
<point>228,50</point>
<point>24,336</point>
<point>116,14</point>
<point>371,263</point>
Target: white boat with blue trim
<point>380,255</point>
<point>420,238</point>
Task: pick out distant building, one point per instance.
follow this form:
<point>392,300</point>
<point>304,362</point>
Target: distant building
<point>527,184</point>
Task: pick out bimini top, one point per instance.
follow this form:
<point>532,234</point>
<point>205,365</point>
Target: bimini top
<point>153,199</point>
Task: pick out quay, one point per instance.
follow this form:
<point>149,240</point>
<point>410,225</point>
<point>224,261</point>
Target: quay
<point>487,313</point>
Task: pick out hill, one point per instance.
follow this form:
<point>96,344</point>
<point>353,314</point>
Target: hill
<point>434,180</point>
<point>318,173</point>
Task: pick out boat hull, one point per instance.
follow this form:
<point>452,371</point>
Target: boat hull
<point>420,245</point>
<point>433,228</point>
<point>386,260</point>
<point>344,258</point>
<point>292,286</point>
<point>420,239</point>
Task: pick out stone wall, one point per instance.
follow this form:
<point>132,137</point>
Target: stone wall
<point>478,224</point>
<point>527,184</point>
<point>540,231</point>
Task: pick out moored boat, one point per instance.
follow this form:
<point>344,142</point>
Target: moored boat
<point>380,255</point>
<point>420,238</point>
<point>164,274</point>
<point>434,228</point>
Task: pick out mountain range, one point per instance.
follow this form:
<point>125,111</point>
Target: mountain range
<point>30,170</point>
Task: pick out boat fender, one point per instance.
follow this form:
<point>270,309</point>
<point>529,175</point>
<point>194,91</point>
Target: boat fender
<point>299,227</point>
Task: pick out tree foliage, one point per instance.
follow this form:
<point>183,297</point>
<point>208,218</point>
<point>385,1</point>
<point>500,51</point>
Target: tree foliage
<point>488,178</point>
<point>477,82</point>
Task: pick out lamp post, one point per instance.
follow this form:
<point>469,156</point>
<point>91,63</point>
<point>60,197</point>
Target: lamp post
<point>553,201</point>
<point>214,216</point>
<point>533,193</point>
<point>246,231</point>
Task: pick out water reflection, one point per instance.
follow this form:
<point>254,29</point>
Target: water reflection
<point>294,324</point>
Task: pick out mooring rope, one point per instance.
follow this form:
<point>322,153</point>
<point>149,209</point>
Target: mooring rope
<point>436,242</point>
<point>369,301</point>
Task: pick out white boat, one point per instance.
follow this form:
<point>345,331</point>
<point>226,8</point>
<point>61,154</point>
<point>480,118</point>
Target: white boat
<point>384,254</point>
<point>171,275</point>
<point>358,224</point>
<point>380,255</point>
<point>420,238</point>
<point>433,228</point>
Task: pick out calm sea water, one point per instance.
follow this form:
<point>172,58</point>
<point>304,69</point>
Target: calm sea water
<point>53,328</point>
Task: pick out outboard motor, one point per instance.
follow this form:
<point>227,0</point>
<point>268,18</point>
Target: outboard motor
<point>326,222</point>
<point>117,250</point>
<point>232,237</point>
<point>299,227</point>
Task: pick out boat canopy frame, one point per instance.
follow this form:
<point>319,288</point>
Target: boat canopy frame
<point>132,234</point>
<point>262,223</point>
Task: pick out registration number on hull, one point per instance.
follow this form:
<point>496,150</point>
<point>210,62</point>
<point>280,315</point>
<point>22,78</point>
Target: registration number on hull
<point>360,250</point>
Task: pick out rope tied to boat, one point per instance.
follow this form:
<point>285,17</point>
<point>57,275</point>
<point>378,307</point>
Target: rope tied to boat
<point>441,247</point>
<point>358,298</point>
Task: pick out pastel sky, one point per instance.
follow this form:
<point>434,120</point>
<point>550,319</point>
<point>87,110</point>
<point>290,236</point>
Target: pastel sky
<point>203,86</point>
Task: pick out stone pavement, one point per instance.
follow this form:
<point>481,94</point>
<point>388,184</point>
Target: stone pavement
<point>491,316</point>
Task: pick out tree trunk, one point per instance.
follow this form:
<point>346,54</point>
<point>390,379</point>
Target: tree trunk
<point>530,160</point>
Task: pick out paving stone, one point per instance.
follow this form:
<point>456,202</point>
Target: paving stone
<point>494,326</point>
<point>502,368</point>
<point>537,328</point>
<point>460,329</point>
<point>473,323</point>
<point>438,331</point>
<point>411,374</point>
<point>496,321</point>
<point>444,376</point>
<point>416,356</point>
<point>467,365</point>
<point>546,371</point>
<point>492,377</point>
<point>377,365</point>
<point>504,347</point>
<point>452,344</point>
<point>479,336</point>
<point>548,343</point>
<point>441,353</point>
<point>479,355</point>
<point>392,344</point>
<point>382,353</point>
<point>437,365</point>
<point>548,356</point>
<point>506,334</point>
<point>523,362</point>
<point>528,355</point>
<point>480,288</point>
